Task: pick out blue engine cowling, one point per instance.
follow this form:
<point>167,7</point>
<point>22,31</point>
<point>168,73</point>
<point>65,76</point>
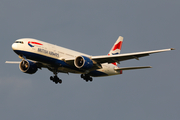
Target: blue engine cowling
<point>28,67</point>
<point>83,62</point>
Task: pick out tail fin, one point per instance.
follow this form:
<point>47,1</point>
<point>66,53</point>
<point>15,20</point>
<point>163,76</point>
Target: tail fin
<point>116,49</point>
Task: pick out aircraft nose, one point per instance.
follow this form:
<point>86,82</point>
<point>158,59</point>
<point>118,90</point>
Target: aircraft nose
<point>14,46</point>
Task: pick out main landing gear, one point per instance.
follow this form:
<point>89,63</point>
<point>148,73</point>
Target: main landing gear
<point>55,78</point>
<point>86,77</point>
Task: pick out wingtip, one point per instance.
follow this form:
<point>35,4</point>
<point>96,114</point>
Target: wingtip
<point>172,48</point>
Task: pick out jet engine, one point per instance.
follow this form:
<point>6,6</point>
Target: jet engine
<point>28,67</point>
<point>83,62</point>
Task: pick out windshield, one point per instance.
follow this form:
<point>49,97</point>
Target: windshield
<point>19,42</point>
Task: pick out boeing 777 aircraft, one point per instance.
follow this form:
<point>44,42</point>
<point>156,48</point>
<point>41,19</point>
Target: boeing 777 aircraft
<point>36,54</point>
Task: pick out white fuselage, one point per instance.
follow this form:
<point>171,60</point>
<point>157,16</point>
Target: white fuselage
<point>47,53</point>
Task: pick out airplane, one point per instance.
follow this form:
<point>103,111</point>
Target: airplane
<point>36,54</point>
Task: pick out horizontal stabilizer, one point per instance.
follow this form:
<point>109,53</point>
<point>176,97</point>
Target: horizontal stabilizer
<point>132,68</point>
<point>13,62</point>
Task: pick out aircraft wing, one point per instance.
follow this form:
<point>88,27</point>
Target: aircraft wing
<point>13,62</point>
<point>123,57</point>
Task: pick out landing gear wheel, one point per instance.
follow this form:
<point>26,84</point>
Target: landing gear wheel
<point>51,78</point>
<point>60,81</point>
<point>82,76</point>
<point>90,79</point>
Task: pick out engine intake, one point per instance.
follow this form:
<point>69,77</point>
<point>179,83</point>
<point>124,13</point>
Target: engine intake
<point>83,62</point>
<point>28,67</point>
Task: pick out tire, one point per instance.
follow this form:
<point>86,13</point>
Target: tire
<point>51,78</point>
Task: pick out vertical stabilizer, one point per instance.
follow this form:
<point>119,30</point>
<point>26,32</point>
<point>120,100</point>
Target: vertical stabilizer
<point>116,49</point>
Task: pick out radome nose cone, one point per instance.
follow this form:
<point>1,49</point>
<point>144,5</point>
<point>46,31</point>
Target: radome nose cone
<point>14,46</point>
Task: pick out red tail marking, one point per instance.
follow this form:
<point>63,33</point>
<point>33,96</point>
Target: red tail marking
<point>117,46</point>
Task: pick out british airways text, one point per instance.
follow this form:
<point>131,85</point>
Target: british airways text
<point>48,52</point>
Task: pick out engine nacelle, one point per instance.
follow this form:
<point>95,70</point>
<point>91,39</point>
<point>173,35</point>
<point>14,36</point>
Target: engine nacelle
<point>83,62</point>
<point>28,67</point>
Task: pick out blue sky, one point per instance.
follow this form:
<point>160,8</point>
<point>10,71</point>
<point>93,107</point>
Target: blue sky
<point>92,27</point>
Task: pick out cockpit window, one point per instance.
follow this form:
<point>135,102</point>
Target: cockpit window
<point>19,42</point>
